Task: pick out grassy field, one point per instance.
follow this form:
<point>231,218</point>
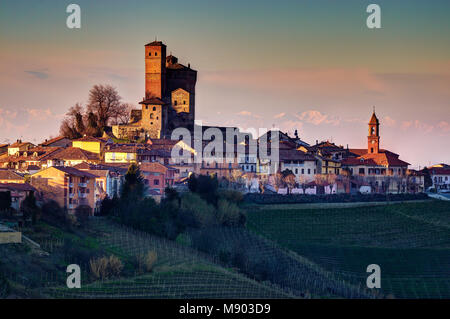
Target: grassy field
<point>410,242</point>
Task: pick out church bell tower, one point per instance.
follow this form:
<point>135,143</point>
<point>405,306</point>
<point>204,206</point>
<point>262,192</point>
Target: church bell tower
<point>373,140</point>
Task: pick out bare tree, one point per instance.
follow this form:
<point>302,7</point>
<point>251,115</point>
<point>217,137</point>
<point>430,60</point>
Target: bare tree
<point>125,116</point>
<point>72,125</point>
<point>105,103</point>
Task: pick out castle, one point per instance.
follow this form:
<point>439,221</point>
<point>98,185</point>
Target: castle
<point>169,100</point>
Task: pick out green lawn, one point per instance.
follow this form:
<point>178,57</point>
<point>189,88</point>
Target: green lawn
<point>410,242</point>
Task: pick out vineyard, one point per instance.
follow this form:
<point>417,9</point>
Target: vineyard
<point>180,272</point>
<point>410,242</point>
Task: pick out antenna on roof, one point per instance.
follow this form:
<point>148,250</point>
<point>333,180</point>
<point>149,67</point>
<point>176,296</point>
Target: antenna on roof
<point>374,109</point>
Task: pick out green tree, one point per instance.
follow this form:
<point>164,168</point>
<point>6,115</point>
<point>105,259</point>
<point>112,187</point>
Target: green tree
<point>30,209</point>
<point>133,188</point>
<point>5,200</point>
<point>427,178</point>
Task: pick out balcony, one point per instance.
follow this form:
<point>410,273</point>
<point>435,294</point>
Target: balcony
<point>82,185</point>
<point>71,206</point>
<point>71,195</point>
<point>70,185</point>
<point>82,195</point>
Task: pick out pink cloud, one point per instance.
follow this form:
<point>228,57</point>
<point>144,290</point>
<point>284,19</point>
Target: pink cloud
<point>316,117</point>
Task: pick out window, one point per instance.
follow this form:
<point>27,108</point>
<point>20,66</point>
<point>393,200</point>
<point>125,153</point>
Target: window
<point>371,150</point>
<point>156,53</point>
<point>146,107</point>
<point>154,108</point>
<point>303,171</point>
<point>296,171</point>
<point>149,54</point>
<point>156,182</point>
<point>309,171</point>
<point>151,115</point>
<point>184,102</point>
<point>362,171</point>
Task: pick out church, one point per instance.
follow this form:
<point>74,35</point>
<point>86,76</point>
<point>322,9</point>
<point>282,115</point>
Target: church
<point>169,100</point>
<point>377,167</point>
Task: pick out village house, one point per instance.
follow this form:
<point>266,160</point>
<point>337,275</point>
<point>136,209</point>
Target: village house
<point>108,181</point>
<point>18,191</point>
<point>303,166</point>
<point>68,186</point>
<point>71,156</point>
<point>19,146</point>
<point>122,153</point>
<point>440,175</point>
<point>9,176</point>
<point>157,177</point>
<point>3,149</point>
<point>92,144</point>
<point>35,157</point>
<point>59,141</point>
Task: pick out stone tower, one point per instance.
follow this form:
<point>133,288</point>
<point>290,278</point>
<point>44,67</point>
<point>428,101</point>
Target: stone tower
<point>373,140</point>
<point>155,70</point>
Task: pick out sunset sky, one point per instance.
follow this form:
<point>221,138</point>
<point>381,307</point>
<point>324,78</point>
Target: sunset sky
<point>307,65</point>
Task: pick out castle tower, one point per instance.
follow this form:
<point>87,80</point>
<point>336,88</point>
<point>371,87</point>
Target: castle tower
<point>373,140</point>
<point>155,70</point>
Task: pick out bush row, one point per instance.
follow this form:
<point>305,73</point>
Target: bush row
<point>332,198</point>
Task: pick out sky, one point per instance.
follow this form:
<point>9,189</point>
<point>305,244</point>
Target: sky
<point>311,66</point>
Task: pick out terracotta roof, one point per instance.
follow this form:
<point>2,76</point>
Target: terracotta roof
<point>125,148</point>
<point>73,171</point>
<point>153,101</point>
<point>4,145</point>
<point>89,139</point>
<point>381,159</point>
<point>17,187</point>
<point>74,153</point>
<point>153,167</point>
<point>9,174</point>
<point>19,144</point>
<point>42,153</point>
<point>363,151</point>
<point>294,155</point>
<point>53,140</point>
<point>439,171</point>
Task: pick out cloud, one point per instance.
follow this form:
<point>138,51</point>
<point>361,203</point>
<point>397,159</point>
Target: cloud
<point>280,115</point>
<point>42,74</point>
<point>444,126</point>
<point>30,124</point>
<point>316,117</point>
<point>388,121</point>
<point>417,125</point>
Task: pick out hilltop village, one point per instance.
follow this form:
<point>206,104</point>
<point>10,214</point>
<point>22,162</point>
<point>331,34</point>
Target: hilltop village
<point>84,171</point>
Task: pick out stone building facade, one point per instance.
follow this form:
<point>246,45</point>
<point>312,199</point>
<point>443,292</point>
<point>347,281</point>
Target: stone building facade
<point>169,100</point>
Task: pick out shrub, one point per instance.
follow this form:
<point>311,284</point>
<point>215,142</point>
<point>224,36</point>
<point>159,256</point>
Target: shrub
<point>195,212</point>
<point>82,214</point>
<point>54,214</point>
<point>146,262</point>
<point>106,267</point>
<point>228,214</point>
<point>232,196</point>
